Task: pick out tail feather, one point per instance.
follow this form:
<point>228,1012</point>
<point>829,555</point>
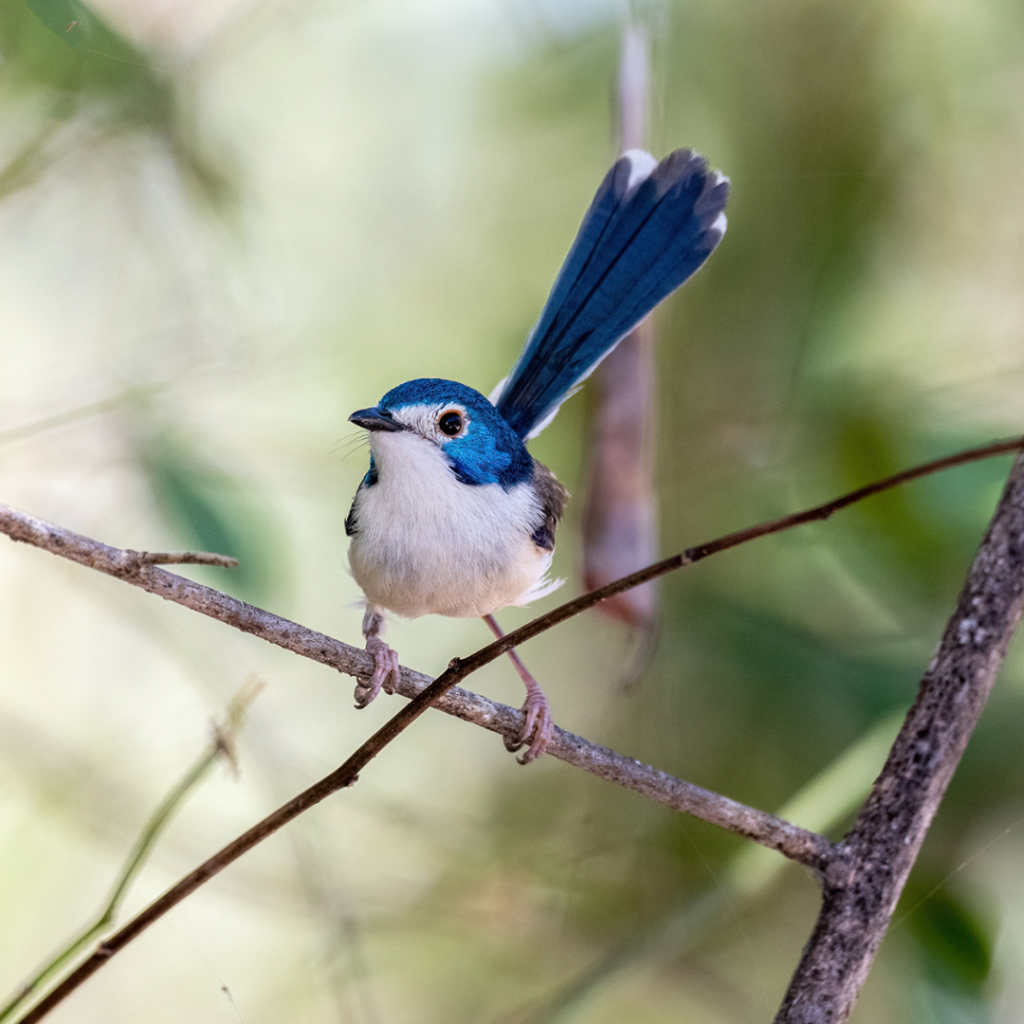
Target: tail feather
<point>649,228</point>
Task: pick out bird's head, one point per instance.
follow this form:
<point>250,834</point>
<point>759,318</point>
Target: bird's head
<point>460,423</point>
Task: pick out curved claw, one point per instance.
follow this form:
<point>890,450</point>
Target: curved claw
<point>538,728</point>
<point>386,672</point>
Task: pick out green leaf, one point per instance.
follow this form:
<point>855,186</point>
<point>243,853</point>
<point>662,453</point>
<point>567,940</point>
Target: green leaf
<point>954,939</point>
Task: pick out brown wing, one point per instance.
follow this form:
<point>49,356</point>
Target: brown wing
<point>553,497</point>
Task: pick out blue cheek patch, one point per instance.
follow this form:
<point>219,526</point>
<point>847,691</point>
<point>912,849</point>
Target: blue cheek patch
<point>483,457</point>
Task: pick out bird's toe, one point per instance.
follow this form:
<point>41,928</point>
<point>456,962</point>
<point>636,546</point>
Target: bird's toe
<point>385,672</point>
<point>538,728</point>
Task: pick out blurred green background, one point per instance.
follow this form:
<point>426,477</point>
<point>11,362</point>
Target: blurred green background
<point>225,225</point>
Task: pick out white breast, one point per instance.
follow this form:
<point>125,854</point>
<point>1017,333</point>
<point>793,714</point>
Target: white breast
<point>428,544</point>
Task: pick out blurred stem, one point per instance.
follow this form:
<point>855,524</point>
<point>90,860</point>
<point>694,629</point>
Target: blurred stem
<point>130,396</point>
<point>220,746</point>
<point>26,166</point>
<point>620,527</point>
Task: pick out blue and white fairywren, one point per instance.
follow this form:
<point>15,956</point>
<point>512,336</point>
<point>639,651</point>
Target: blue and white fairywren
<point>454,516</point>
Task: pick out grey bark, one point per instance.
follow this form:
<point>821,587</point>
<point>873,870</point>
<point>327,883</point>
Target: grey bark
<point>864,882</point>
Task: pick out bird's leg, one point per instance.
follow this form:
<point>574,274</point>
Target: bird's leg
<point>538,722</point>
<point>385,660</point>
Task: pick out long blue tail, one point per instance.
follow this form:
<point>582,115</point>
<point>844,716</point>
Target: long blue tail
<point>649,228</point>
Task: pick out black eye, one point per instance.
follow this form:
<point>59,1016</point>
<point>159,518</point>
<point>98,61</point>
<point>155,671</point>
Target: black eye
<point>450,423</point>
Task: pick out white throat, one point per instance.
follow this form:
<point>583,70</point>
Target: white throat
<point>426,543</point>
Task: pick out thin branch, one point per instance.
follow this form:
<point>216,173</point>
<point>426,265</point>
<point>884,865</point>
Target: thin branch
<point>747,821</point>
<point>342,777</point>
<point>863,884</point>
<point>796,843</point>
<point>732,540</point>
<point>822,512</point>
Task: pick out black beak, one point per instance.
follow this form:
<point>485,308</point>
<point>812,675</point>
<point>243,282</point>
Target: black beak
<point>374,419</point>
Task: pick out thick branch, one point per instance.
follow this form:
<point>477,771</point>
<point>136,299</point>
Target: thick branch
<point>863,885</point>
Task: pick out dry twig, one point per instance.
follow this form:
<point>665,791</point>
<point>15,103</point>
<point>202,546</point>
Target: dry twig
<point>136,568</point>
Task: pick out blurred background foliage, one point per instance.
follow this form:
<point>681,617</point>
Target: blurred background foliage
<point>225,225</point>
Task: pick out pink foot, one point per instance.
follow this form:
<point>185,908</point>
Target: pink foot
<point>385,672</point>
<point>538,727</point>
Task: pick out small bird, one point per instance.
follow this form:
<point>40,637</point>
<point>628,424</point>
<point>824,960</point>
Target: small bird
<point>454,516</point>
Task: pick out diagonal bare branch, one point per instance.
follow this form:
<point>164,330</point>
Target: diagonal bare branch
<point>137,568</point>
